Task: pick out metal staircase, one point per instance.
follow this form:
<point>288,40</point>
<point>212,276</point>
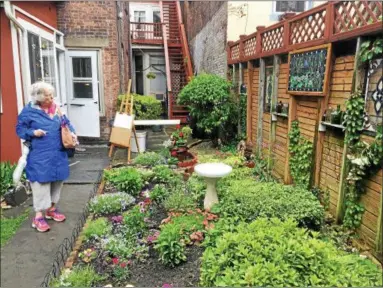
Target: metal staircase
<point>177,57</point>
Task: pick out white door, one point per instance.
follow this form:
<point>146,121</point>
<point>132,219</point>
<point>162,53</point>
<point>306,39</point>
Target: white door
<point>83,98</point>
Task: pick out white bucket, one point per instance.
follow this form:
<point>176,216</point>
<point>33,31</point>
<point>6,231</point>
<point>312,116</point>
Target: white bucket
<point>141,137</point>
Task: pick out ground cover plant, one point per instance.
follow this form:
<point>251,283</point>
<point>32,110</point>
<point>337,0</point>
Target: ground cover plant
<point>260,234</point>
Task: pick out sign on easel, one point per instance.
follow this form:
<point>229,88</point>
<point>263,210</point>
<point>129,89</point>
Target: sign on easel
<point>123,125</point>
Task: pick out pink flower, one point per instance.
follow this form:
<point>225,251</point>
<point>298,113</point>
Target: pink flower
<point>166,285</point>
<point>178,126</point>
<point>123,265</point>
<point>115,261</point>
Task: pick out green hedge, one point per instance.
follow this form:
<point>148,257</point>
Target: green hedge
<point>144,107</point>
<point>250,199</point>
<point>278,254</point>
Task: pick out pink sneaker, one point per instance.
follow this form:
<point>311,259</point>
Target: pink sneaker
<point>40,224</point>
<point>55,215</point>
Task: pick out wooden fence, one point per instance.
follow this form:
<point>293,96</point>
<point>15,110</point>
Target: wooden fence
<point>251,59</point>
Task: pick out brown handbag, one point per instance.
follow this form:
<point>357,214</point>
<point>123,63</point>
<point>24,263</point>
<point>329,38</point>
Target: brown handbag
<point>66,134</point>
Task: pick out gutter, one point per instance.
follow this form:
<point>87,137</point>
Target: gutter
<point>21,32</point>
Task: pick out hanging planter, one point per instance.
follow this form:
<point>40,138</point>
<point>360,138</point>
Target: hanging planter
<point>151,76</point>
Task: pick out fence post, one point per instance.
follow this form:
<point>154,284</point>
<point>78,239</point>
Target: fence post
<point>261,93</point>
<point>241,48</point>
<point>258,44</point>
<point>356,81</point>
<point>249,85</point>
<point>274,101</point>
<point>240,79</point>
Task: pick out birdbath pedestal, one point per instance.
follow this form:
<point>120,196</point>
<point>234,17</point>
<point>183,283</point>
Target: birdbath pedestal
<point>212,172</point>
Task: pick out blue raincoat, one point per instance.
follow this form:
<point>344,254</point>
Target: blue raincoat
<point>47,160</point>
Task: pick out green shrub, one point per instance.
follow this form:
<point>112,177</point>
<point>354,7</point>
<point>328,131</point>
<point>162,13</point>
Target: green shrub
<point>125,179</point>
<point>269,252</point>
<point>250,200</point>
<point>159,193</point>
<point>179,201</point>
<point>169,247</point>
<point>120,246</point>
<point>80,276</point>
<point>97,228</point>
<point>6,179</point>
<point>149,159</point>
<point>210,102</point>
<point>144,107</point>
<point>112,203</point>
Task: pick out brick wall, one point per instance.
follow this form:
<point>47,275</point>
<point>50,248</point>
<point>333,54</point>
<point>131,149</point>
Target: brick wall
<point>96,22</point>
<point>198,13</point>
<point>208,46</point>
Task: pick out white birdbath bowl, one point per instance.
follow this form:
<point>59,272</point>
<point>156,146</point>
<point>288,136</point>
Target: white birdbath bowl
<point>212,172</point>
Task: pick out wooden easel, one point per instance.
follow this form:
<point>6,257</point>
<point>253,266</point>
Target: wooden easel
<point>126,107</point>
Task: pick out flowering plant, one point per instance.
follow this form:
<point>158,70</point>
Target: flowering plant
<point>88,255</point>
<point>121,269</point>
<point>180,136</point>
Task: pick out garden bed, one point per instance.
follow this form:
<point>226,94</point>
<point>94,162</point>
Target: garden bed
<point>148,229</point>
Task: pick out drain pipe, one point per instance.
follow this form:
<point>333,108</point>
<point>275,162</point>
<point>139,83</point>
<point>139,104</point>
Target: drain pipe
<point>21,32</point>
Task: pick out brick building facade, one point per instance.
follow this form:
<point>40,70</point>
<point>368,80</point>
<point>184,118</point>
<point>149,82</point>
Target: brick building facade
<point>101,26</point>
<point>206,26</point>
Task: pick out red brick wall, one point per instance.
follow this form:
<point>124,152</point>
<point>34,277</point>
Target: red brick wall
<point>97,19</point>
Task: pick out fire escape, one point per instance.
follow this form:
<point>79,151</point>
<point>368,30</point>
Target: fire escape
<point>171,34</point>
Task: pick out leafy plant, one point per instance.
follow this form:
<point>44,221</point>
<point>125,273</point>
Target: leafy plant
<point>111,203</point>
<point>80,276</point>
<point>125,179</point>
<point>149,159</point>
<point>121,270</point>
<point>250,200</point>
<point>353,119</point>
<point>370,50</point>
<point>301,151</point>
<point>134,220</point>
<point>179,201</point>
<point>262,170</point>
<point>6,179</point>
<point>269,252</point>
<point>144,107</point>
<point>169,247</point>
<point>196,187</point>
<point>163,174</point>
<point>97,228</point>
<point>120,246</point>
<point>159,193</point>
<point>88,255</point>
<point>210,102</point>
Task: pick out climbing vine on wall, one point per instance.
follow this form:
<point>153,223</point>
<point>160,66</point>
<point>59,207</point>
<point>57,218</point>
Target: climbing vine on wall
<point>363,159</point>
<point>301,151</point>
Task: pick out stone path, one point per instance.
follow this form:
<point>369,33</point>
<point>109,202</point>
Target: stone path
<point>28,256</point>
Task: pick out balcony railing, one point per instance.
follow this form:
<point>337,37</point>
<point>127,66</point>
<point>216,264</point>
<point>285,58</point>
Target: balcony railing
<point>146,33</point>
<point>326,23</point>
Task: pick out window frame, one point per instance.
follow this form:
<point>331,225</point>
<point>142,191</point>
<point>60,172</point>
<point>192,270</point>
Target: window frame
<point>308,5</point>
<point>54,37</point>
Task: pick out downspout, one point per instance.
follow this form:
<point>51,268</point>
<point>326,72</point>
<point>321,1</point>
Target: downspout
<point>21,33</point>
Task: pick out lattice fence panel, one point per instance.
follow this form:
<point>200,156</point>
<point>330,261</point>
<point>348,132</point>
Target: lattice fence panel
<point>235,52</point>
<point>309,28</point>
<point>249,47</point>
<point>272,39</point>
<point>350,15</point>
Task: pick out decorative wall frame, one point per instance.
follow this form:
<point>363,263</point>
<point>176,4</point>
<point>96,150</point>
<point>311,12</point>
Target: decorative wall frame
<point>309,71</point>
<point>373,94</point>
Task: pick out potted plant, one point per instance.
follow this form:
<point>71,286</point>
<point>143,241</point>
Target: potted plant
<point>336,116</point>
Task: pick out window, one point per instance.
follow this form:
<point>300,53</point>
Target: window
<point>139,74</point>
<point>157,28</point>
<point>157,85</point>
<point>289,6</point>
<point>34,57</point>
<point>82,77</point>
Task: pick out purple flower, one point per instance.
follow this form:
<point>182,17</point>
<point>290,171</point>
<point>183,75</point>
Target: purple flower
<point>117,219</point>
<point>166,285</point>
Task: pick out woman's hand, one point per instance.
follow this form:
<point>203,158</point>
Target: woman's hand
<point>39,133</point>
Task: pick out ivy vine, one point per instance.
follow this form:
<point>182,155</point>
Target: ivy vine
<point>363,159</point>
<point>301,151</point>
<point>370,50</point>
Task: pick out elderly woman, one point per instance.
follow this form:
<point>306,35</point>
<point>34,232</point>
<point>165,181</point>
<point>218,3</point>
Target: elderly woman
<point>47,164</point>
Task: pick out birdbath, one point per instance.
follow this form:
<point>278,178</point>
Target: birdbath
<point>212,172</point>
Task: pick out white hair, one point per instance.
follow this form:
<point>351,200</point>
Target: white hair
<point>38,90</point>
